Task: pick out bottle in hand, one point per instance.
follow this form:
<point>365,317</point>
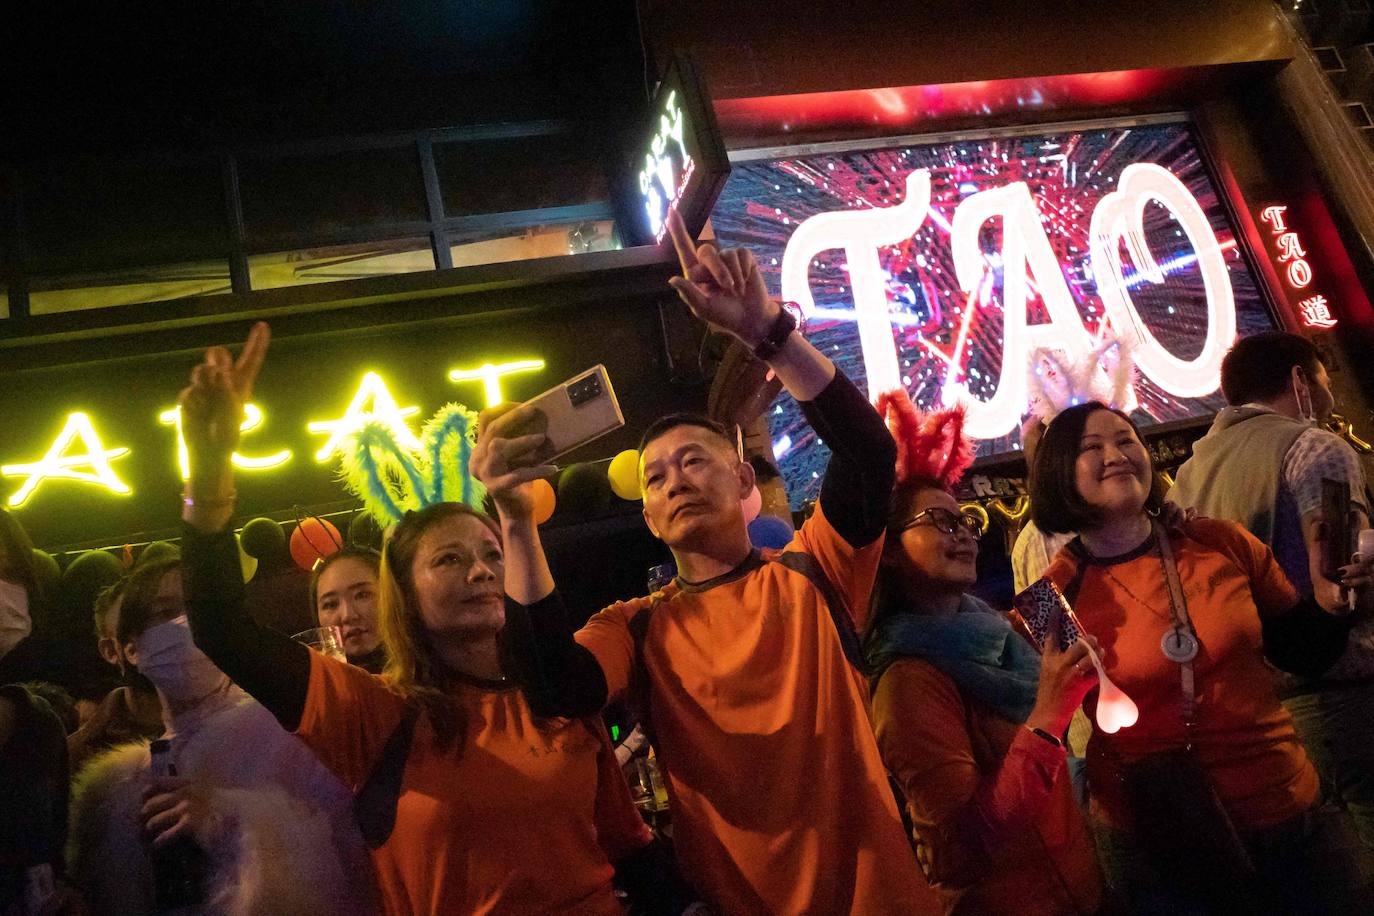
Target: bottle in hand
<point>179,867</point>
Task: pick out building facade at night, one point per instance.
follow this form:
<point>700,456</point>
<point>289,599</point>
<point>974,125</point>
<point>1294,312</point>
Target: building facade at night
<point>410,194</point>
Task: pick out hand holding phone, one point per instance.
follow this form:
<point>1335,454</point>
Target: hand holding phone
<point>570,414</point>
<point>517,443</point>
<point>1337,528</point>
<point>1039,607</point>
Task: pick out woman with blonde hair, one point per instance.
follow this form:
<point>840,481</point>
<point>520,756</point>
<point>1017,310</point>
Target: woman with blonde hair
<point>468,802</point>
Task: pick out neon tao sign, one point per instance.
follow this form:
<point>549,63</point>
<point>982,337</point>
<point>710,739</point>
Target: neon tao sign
<point>1028,264</point>
<point>1291,258</point>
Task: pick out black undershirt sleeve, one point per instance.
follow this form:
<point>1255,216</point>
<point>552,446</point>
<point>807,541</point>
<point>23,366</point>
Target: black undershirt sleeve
<point>1306,640</point>
<point>559,676</point>
<point>272,667</point>
<point>862,469</point>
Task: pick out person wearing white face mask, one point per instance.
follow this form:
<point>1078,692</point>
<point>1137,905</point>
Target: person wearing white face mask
<point>1262,464</point>
<point>15,623</point>
<point>131,711</point>
<point>276,828</point>
<point>20,659</point>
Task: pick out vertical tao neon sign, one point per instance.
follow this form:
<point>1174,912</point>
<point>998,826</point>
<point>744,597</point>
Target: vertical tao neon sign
<point>1289,254</point>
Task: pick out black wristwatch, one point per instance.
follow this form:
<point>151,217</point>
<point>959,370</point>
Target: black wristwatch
<point>776,337</point>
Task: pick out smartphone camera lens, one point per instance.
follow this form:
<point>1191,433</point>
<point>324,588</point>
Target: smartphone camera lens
<point>584,390</point>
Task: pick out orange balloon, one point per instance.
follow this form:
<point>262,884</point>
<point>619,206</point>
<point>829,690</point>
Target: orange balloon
<point>544,501</point>
<point>312,541</point>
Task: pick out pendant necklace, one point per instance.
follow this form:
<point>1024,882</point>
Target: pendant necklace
<point>1179,645</point>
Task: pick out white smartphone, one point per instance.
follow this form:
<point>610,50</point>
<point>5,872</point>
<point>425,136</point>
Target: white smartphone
<point>573,413</point>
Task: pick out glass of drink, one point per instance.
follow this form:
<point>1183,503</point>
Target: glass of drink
<point>325,640</point>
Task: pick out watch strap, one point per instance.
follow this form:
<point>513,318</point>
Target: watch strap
<point>776,337</point>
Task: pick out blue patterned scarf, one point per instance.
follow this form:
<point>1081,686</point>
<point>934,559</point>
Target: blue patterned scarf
<point>976,648</point>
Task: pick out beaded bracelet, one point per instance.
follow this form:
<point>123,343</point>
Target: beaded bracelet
<point>220,502</point>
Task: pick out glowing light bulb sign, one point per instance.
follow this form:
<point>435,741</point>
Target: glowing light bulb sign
<point>490,376</point>
<point>252,419</point>
<point>79,454</point>
<point>941,268</point>
<point>659,183</point>
<point>373,401</point>
<point>679,162</point>
<point>57,464</point>
<point>1291,258</point>
<point>1027,259</point>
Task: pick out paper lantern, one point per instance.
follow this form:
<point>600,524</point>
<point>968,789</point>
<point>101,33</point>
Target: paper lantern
<point>312,541</point>
<point>623,474</point>
<point>159,550</point>
<point>263,538</point>
<point>69,614</point>
<point>363,531</point>
<point>544,501</point>
<point>45,565</point>
<point>752,504</point>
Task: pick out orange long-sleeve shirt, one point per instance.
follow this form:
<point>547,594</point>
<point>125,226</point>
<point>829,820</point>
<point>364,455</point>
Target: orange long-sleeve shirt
<point>780,801</point>
<point>991,804</point>
<point>521,817</point>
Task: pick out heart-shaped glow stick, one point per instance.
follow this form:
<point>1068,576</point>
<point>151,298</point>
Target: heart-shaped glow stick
<point>1115,710</point>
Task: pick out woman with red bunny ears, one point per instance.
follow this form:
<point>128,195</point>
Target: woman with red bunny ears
<point>969,719</point>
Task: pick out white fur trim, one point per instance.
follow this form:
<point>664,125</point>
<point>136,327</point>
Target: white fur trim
<point>288,843</point>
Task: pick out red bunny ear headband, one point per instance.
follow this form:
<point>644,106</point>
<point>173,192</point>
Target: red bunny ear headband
<point>929,446</point>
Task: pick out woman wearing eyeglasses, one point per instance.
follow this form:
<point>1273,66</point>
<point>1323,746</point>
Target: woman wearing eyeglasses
<point>969,718</point>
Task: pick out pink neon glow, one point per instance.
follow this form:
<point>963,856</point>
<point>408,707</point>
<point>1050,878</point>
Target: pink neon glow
<point>1115,710</point>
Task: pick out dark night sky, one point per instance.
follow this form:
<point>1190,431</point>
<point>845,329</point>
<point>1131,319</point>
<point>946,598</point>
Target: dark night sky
<point>210,73</point>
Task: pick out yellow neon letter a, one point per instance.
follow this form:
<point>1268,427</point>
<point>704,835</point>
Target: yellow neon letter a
<point>252,418</point>
<point>384,410</point>
<point>56,464</point>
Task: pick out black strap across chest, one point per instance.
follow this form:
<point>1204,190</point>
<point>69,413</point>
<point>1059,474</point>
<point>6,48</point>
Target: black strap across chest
<point>374,805</point>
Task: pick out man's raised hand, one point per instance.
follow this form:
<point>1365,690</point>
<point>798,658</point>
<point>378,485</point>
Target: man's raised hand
<point>722,287</point>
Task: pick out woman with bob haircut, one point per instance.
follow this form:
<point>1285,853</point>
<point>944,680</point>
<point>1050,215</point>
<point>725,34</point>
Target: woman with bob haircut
<point>1208,802</point>
<point>343,592</point>
<point>468,801</point>
<point>968,718</point>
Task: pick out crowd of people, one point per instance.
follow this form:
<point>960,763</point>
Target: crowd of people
<point>842,726</point>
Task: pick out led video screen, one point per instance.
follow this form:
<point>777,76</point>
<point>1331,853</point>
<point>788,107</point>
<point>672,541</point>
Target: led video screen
<point>949,268</point>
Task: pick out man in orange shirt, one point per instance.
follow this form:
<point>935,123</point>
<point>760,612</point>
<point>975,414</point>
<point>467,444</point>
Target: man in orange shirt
<point>780,800</point>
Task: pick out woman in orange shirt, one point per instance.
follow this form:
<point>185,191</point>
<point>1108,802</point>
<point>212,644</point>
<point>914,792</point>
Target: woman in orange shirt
<point>969,719</point>
<point>469,802</point>
<point>1208,802</point>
